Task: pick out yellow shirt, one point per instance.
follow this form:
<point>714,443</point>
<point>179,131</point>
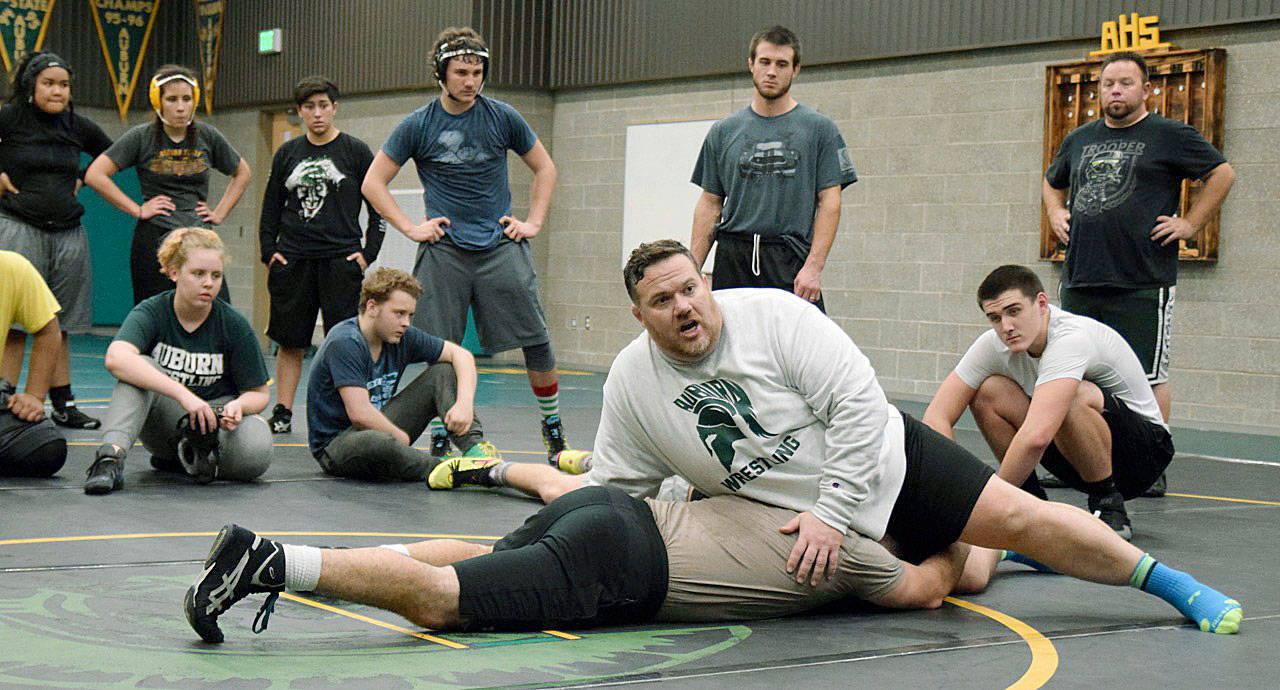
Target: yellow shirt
<point>24,297</point>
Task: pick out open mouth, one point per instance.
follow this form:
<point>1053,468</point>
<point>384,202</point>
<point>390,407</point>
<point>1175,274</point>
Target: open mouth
<point>688,327</point>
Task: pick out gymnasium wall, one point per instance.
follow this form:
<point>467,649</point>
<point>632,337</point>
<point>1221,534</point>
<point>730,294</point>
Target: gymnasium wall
<point>948,150</point>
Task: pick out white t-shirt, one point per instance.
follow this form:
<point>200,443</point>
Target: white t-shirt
<point>785,410</point>
<point>1078,348</point>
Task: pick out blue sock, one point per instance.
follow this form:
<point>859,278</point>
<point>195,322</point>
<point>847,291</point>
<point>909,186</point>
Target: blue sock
<point>1204,605</point>
<point>1019,558</point>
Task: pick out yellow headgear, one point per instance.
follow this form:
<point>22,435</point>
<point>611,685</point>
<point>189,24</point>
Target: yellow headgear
<point>157,83</point>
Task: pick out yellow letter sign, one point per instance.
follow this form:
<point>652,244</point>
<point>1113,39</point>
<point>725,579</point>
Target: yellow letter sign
<point>1130,32</point>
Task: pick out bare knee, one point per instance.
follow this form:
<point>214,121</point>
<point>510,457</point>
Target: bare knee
<point>995,395</point>
<point>435,605</point>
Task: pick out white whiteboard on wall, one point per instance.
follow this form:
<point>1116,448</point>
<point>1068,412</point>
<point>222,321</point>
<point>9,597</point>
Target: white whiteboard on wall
<point>657,196</point>
<point>399,251</point>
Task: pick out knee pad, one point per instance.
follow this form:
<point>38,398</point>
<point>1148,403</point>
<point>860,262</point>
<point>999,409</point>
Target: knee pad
<point>246,452</point>
<point>30,449</point>
<point>539,357</point>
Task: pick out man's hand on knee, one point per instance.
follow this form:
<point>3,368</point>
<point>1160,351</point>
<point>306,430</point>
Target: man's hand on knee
<point>26,407</point>
<point>817,549</point>
<point>459,417</point>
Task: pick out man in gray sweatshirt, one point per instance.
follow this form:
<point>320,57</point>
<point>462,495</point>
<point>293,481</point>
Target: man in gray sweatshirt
<point>756,393</point>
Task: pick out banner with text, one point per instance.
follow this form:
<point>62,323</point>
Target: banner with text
<point>209,14</point>
<point>22,27</point>
<point>124,28</point>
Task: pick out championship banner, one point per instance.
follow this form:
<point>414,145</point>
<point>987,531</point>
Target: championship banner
<point>209,15</point>
<point>124,28</point>
<point>20,22</point>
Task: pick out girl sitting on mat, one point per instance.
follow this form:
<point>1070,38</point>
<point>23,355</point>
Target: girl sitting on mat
<point>191,377</point>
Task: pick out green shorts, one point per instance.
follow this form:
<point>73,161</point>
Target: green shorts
<point>1142,317</point>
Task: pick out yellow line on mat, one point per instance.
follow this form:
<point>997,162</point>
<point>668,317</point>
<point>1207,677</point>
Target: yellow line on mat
<point>373,621</point>
<point>1224,498</point>
<point>1044,658</point>
<point>163,535</point>
<point>542,453</point>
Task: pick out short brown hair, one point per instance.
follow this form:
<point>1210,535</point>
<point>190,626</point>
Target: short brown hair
<point>453,38</point>
<point>1125,56</point>
<point>1010,277</point>
<point>310,86</point>
<point>779,36</point>
<point>176,247</point>
<point>646,255</point>
<point>383,281</point>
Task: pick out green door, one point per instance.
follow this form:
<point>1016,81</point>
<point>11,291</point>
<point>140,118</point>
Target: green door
<point>110,233</point>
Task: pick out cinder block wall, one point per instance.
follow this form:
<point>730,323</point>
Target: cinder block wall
<point>949,156</point>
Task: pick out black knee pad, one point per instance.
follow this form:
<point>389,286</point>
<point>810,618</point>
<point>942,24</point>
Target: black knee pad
<point>30,449</point>
<point>539,357</point>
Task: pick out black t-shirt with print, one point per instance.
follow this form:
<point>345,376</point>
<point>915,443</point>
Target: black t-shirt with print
<point>311,208</point>
<point>1120,180</point>
<point>221,357</point>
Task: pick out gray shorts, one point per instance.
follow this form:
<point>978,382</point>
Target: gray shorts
<point>728,561</point>
<point>499,285</point>
<point>62,258</point>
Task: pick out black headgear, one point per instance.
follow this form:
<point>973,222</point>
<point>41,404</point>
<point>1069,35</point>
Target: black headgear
<point>458,47</point>
<point>38,63</point>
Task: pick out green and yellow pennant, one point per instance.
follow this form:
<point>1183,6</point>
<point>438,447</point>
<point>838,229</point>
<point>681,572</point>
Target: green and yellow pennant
<point>209,14</point>
<point>124,28</point>
<point>22,27</point>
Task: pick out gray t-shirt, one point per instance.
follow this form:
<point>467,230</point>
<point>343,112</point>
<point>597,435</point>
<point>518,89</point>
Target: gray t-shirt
<point>179,170</point>
<point>769,170</point>
<point>785,410</point>
<point>1078,348</point>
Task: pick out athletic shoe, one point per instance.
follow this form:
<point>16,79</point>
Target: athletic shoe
<point>198,452</point>
<point>553,435</point>
<point>455,472</point>
<point>281,419</point>
<point>1110,509</point>
<point>239,563</point>
<point>1049,480</point>
<point>572,461</point>
<point>440,444</point>
<point>483,449</point>
<point>1158,488</point>
<point>1032,486</point>
<point>106,474</point>
<point>72,418</point>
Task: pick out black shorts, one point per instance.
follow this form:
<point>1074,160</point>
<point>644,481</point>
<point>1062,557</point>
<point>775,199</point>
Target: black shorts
<point>1143,317</point>
<point>778,260</point>
<point>592,557</point>
<point>303,287</point>
<point>1140,451</point>
<point>941,486</point>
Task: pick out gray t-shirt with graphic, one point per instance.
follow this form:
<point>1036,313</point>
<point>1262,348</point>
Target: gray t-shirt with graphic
<point>177,169</point>
<point>769,170</point>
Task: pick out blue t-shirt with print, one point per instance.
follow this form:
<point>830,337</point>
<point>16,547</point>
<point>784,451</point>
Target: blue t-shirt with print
<point>345,360</point>
<point>462,164</point>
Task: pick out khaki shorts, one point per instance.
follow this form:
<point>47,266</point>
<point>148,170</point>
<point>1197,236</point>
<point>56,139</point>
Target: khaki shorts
<point>727,561</point>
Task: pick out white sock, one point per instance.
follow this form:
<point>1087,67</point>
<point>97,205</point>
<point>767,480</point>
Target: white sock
<point>301,567</point>
<point>398,548</point>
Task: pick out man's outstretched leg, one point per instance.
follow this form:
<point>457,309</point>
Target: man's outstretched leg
<point>411,580</point>
<point>1075,543</point>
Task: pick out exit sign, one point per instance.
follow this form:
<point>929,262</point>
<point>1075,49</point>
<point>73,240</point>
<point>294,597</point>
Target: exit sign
<point>269,41</point>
